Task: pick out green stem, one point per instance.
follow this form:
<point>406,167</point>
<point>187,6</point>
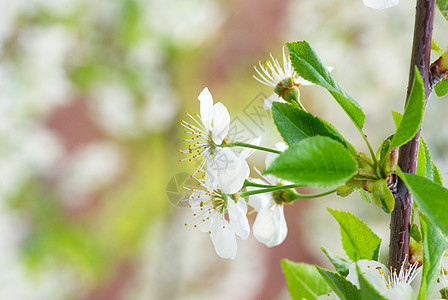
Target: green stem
<point>304,196</point>
<point>372,154</point>
<point>271,189</point>
<point>284,187</point>
<point>250,183</point>
<point>240,144</point>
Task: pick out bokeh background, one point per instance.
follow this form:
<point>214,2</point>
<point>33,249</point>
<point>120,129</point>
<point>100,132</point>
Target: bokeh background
<point>91,93</point>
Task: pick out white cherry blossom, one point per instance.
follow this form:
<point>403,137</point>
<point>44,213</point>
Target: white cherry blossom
<point>209,129</point>
<point>270,224</point>
<point>209,142</point>
<point>229,169</point>
<point>272,74</point>
<point>392,285</point>
<point>218,214</point>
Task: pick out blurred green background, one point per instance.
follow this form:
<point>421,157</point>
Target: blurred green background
<point>91,93</point>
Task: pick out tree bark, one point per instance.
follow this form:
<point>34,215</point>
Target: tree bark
<point>402,213</point>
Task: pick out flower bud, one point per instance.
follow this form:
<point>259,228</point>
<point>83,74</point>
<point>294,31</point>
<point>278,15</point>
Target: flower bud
<point>382,196</point>
<point>416,251</point>
<point>368,186</point>
<point>392,160</point>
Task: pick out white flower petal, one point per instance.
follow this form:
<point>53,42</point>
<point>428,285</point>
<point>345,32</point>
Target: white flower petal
<point>263,226</point>
<point>228,170</point>
<point>300,80</point>
<point>371,270</point>
<point>223,239</point>
<point>267,105</point>
<point>329,296</point>
<point>270,226</point>
<point>206,100</point>
<point>281,229</point>
<point>221,121</point>
<point>242,205</point>
<point>403,292</point>
<point>238,219</point>
<point>259,201</point>
<point>246,152</point>
<point>380,4</point>
<point>205,226</point>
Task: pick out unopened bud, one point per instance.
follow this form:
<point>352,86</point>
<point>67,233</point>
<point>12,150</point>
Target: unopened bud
<point>382,196</point>
<point>392,160</point>
<point>415,250</point>
<point>368,186</point>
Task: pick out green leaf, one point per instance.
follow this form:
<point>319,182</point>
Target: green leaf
<point>413,113</point>
<point>368,292</point>
<point>397,118</point>
<point>308,65</point>
<point>365,196</point>
<point>358,241</point>
<point>295,124</point>
<point>415,233</point>
<point>421,160</point>
<point>443,7</point>
<point>429,172</point>
<point>303,280</point>
<point>432,172</point>
<point>436,47</point>
<point>431,198</point>
<point>345,190</point>
<point>437,178</point>
<point>341,286</point>
<point>441,88</point>
<point>315,161</point>
<point>434,245</point>
<point>340,264</point>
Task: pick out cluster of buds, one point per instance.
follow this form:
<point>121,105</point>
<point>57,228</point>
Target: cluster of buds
<point>377,178</point>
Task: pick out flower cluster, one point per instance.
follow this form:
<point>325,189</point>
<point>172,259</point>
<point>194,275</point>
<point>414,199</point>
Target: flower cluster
<point>219,205</point>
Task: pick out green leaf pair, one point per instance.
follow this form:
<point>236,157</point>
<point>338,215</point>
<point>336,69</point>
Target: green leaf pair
<point>295,125</point>
<point>318,155</point>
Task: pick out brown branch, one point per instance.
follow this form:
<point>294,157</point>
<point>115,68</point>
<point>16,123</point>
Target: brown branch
<point>402,213</point>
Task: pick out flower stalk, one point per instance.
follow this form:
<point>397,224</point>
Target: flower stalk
<point>256,147</point>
